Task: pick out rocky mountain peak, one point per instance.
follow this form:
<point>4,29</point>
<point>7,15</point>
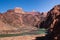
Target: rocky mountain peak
<point>55,10</point>
<point>18,10</point>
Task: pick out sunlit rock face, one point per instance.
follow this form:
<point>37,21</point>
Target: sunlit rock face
<point>18,19</point>
<point>18,10</point>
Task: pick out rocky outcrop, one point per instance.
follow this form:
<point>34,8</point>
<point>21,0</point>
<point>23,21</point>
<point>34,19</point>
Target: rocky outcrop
<point>52,23</point>
<point>18,10</point>
<point>55,24</point>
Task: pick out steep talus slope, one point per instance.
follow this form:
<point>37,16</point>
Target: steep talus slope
<point>4,26</point>
<point>17,19</point>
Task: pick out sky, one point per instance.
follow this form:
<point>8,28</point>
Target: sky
<point>28,5</point>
